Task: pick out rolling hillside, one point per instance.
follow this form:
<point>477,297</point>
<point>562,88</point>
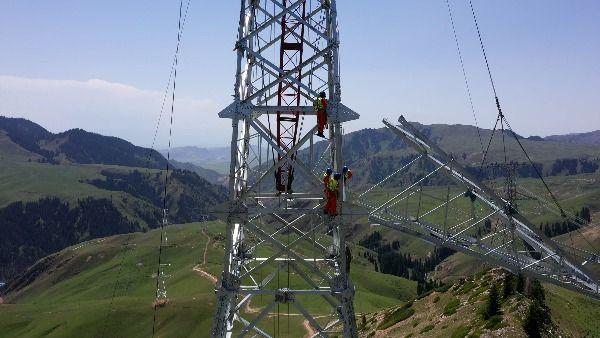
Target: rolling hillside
<point>458,310</point>
<point>79,188</point>
<point>376,153</point>
<point>592,137</point>
<point>105,287</point>
<point>70,293</point>
<point>78,146</point>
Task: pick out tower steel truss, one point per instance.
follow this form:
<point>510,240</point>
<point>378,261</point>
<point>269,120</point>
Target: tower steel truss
<point>285,261</point>
<point>471,217</point>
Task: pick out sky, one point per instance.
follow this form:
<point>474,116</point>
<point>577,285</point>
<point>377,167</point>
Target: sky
<point>103,65</point>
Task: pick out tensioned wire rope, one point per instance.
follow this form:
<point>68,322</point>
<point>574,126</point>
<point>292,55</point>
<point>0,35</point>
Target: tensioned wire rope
<point>181,25</point>
<point>501,118</point>
<point>151,152</point>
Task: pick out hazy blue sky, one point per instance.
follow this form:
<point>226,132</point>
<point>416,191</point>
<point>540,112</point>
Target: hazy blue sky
<point>102,65</point>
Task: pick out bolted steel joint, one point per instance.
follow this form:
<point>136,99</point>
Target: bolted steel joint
<point>284,296</point>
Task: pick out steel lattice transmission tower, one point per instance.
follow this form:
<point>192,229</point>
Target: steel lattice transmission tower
<point>282,255</point>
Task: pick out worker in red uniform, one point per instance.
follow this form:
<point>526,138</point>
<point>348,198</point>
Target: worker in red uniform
<point>326,178</point>
<point>320,107</point>
<point>333,194</point>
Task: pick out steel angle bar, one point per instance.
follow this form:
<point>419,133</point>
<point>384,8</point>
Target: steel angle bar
<point>313,322</point>
<point>254,292</point>
<point>472,225</point>
<point>271,21</point>
<point>284,156</point>
<point>245,267</point>
<point>537,262</point>
<point>300,232</point>
<point>306,110</point>
<point>287,249</point>
<point>402,199</point>
<point>288,74</point>
<point>256,320</point>
<point>288,84</point>
<point>390,176</point>
<point>246,323</point>
<point>524,229</point>
<point>407,189</point>
<point>327,297</point>
<point>460,224</point>
<point>493,234</point>
<point>301,20</point>
<point>441,205</point>
<point>296,35</point>
<point>498,248</point>
<point>283,248</point>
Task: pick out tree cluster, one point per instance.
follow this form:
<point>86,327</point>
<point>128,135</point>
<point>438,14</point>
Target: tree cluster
<point>391,261</point>
<point>563,227</point>
<point>35,229</point>
<point>188,199</point>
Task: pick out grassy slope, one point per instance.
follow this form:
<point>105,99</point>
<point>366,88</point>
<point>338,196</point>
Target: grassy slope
<point>73,297</point>
<point>574,314</point>
<point>24,180</point>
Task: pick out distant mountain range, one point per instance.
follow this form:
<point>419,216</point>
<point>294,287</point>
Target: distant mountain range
<point>375,153</point>
<point>592,137</point>
<point>60,189</point>
<point>215,159</point>
<point>78,146</point>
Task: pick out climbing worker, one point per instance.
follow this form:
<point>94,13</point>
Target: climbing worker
<point>332,195</point>
<point>326,178</point>
<point>320,107</point>
<point>347,173</point>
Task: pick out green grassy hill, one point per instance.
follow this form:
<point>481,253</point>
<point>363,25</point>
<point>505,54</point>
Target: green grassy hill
<point>71,292</point>
<point>34,184</point>
<point>457,311</point>
<point>78,146</point>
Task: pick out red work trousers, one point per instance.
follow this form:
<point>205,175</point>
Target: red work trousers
<point>321,121</point>
<point>331,206</point>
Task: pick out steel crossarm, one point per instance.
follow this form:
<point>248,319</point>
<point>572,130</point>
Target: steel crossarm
<point>553,264</point>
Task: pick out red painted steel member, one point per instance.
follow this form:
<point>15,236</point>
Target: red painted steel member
<point>320,107</point>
